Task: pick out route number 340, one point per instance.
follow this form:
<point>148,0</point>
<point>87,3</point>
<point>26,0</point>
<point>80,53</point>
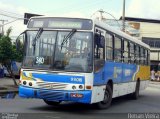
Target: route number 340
<point>39,60</point>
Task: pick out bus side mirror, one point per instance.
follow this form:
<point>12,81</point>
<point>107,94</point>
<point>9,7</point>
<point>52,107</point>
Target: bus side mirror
<point>99,40</point>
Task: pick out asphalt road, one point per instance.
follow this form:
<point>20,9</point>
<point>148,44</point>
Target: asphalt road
<point>148,102</point>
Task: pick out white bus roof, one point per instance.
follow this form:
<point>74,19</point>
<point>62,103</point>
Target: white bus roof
<point>120,33</point>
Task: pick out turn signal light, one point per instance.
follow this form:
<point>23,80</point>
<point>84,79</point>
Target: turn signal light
<point>88,87</point>
<point>20,81</point>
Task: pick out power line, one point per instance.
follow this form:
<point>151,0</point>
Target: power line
<point>8,16</point>
<point>14,21</point>
<point>11,12</point>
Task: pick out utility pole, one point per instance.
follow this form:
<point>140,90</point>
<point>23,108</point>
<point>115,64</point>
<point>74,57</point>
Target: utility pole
<point>123,17</point>
<point>101,16</point>
<point>3,25</point>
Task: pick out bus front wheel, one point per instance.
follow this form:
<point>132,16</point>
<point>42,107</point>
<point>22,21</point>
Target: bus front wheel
<point>107,99</point>
<point>53,103</point>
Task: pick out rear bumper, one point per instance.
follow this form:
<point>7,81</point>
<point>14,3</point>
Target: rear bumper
<point>55,95</point>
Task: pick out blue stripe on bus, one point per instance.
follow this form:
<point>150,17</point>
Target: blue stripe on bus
<point>118,72</point>
<point>60,78</point>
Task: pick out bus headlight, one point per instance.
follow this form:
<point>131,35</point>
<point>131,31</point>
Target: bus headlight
<point>24,82</point>
<point>80,87</point>
<point>73,87</point>
<point>30,83</point>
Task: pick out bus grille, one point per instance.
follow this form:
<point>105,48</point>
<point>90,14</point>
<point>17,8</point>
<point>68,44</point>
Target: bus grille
<point>50,95</point>
<point>51,86</point>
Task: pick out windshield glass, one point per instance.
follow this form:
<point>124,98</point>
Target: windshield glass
<point>48,52</point>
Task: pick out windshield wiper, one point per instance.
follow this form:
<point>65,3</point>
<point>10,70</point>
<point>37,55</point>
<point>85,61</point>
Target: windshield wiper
<point>39,32</point>
<point>69,36</point>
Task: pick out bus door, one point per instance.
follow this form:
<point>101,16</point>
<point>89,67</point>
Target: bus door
<point>99,57</point>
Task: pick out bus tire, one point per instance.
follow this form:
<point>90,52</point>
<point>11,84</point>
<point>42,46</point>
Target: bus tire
<point>53,103</point>
<point>107,99</point>
<point>135,94</point>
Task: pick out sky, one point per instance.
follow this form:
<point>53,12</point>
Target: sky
<point>77,8</point>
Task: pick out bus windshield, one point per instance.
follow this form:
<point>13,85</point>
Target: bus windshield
<point>48,52</point>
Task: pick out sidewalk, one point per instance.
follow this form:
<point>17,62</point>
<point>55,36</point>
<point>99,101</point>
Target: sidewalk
<point>154,84</point>
<point>7,85</point>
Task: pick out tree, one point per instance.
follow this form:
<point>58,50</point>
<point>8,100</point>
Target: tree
<point>7,53</point>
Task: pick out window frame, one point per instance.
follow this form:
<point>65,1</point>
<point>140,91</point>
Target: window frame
<point>116,49</point>
<point>109,47</point>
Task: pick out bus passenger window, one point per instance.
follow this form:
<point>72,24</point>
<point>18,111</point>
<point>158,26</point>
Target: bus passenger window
<point>109,47</point>
<point>141,56</point>
<point>137,58</point>
<point>126,50</point>
<point>117,50</point>
<point>131,53</point>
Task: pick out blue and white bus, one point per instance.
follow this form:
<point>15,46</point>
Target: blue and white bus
<point>81,60</point>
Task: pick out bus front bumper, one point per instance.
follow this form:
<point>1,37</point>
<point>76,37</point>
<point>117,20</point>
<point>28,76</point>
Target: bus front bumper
<point>56,95</point>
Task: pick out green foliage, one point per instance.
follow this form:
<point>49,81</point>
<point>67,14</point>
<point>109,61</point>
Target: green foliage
<point>8,52</point>
<point>18,54</point>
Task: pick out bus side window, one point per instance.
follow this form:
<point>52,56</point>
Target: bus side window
<point>148,57</point>
<point>137,58</point>
<point>117,49</point>
<point>109,47</point>
<point>99,52</point>
<point>131,52</point>
<point>126,51</point>
<point>145,57</point>
<point>141,56</point>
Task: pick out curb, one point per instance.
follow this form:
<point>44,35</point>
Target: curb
<point>8,89</point>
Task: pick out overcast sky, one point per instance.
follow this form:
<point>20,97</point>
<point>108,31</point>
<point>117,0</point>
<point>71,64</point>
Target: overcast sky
<point>81,8</point>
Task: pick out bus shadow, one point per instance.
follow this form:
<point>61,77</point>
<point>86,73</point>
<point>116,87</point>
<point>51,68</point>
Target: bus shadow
<point>79,108</point>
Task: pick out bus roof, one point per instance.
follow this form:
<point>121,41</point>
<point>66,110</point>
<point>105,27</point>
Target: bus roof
<point>120,33</point>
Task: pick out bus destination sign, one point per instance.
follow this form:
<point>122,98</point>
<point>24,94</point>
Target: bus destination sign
<point>60,23</point>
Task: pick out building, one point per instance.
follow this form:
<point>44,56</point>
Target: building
<point>147,30</point>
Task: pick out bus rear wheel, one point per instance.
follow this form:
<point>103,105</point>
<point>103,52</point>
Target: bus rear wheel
<point>53,103</point>
<point>107,99</point>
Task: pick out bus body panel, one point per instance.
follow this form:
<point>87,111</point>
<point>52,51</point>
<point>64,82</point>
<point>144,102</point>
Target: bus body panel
<point>121,73</point>
<point>124,77</point>
<point>117,72</point>
<point>56,86</point>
